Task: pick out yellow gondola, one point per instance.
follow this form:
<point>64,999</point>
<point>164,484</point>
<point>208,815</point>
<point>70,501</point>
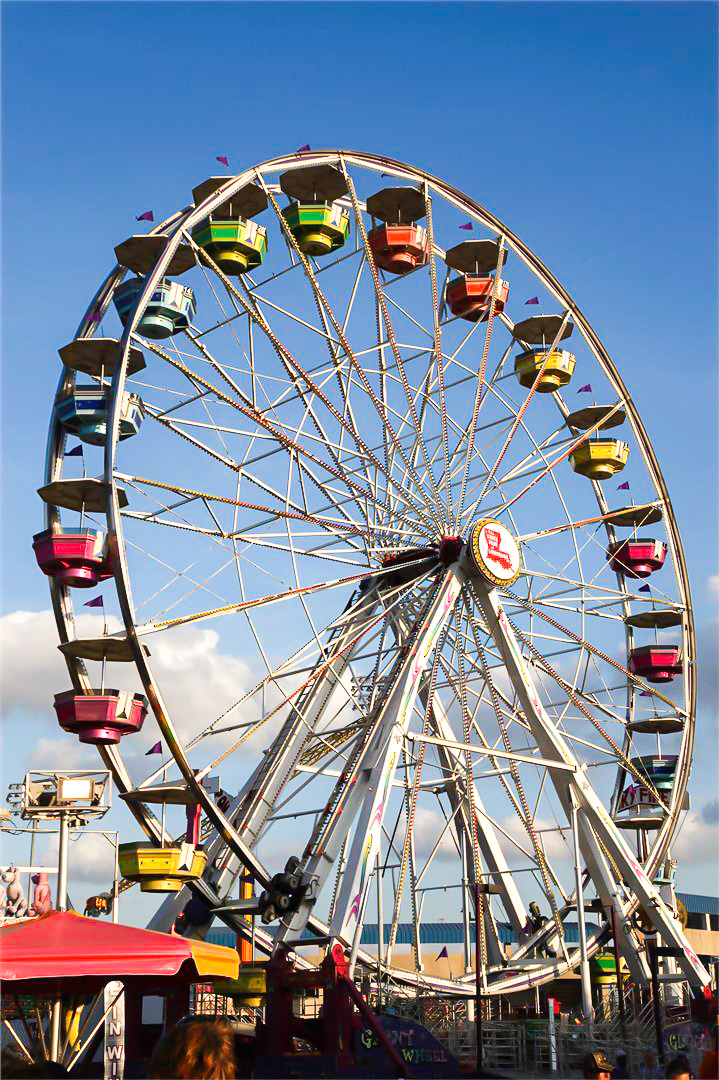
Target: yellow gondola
<point>557,373</point>
<point>600,459</point>
<point>161,869</point>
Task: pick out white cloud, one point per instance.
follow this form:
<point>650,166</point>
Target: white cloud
<point>707,674</point>
<point>555,846</point>
<point>196,678</point>
<point>91,858</point>
<point>63,753</point>
<point>697,842</point>
<point>713,583</point>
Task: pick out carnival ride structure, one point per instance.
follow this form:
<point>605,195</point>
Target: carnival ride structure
<point>467,639</point>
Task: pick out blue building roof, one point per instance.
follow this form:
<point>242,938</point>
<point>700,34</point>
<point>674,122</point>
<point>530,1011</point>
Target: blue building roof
<point>434,933</point>
<point>696,904</point>
<point>451,933</point>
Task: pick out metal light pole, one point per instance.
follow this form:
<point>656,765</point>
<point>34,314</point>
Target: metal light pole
<point>61,905</point>
<point>584,962</point>
<point>116,881</point>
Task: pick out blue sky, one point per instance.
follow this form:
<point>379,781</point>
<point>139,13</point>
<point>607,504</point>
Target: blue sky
<point>590,129</point>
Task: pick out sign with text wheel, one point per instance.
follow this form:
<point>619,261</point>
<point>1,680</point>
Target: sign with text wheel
<point>114,1052</point>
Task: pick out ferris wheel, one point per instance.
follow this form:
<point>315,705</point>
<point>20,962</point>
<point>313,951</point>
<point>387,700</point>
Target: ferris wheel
<point>425,513</point>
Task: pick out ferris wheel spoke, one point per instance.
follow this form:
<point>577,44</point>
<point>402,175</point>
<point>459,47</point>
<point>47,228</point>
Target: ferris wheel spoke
<point>633,679</point>
<point>481,376</point>
<point>471,509</point>
<point>526,402</point>
<point>281,437</point>
<point>290,363</point>
<point>573,445</point>
<point>322,303</point>
<point>262,601</point>
<point>271,513</point>
<point>382,301</point>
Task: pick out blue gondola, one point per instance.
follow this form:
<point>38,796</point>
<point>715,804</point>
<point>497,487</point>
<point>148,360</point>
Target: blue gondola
<point>84,413</point>
<point>171,307</point>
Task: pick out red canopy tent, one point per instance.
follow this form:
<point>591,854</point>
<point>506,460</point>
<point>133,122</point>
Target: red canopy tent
<point>62,947</point>
<point>62,954</point>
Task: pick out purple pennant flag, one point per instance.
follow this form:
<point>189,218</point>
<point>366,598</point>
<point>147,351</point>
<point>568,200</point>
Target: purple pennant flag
<point>147,216</point>
<point>586,389</point>
<point>443,954</point>
<point>644,588</point>
<point>156,749</point>
<point>222,159</point>
<point>624,486</point>
<point>301,149</point>
<point>468,226</point>
<point>75,452</point>
<point>645,693</point>
<point>95,602</point>
<point>532,300</point>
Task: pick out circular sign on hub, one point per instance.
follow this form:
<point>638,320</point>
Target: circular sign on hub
<point>495,552</point>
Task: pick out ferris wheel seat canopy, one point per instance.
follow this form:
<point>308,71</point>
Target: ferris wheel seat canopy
<point>478,257</point>
<point>140,253</point>
<point>101,717</point>
<point>96,356</point>
<point>397,204</point>
<point>247,202</point>
<point>638,557</point>
<point>83,412</point>
<point>600,416</point>
<point>235,245</point>
<point>86,493</point>
<point>634,517</point>
<point>557,373</point>
<point>470,297</point>
<point>600,459</point>
<point>165,869</point>
<point>318,228</point>
<point>74,557</point>
<point>656,663</point>
<point>314,183</point>
<point>169,310</point>
<point>399,249</point>
<point>657,725</point>
<point>655,619</point>
<point>541,329</point>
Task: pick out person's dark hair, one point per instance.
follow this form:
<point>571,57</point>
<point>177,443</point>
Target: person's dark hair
<point>17,1068</point>
<point>196,1050</point>
<point>678,1066</point>
<point>595,1062</point>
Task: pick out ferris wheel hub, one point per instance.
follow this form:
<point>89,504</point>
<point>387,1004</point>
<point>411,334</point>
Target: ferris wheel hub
<point>495,552</point>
